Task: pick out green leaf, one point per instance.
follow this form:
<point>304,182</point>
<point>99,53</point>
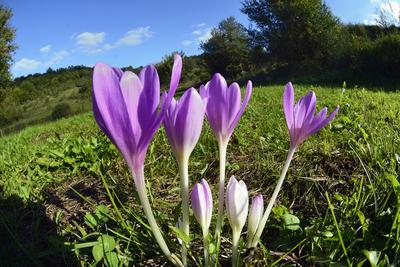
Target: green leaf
<point>97,252</point>
<point>108,242</point>
<point>181,235</point>
<point>372,256</point>
<point>111,259</point>
<point>291,222</point>
<point>327,234</point>
<point>90,220</point>
<point>101,213</point>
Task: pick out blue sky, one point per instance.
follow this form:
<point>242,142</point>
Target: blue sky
<point>122,33</point>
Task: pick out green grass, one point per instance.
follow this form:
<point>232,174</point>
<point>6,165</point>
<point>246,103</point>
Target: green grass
<point>51,180</point>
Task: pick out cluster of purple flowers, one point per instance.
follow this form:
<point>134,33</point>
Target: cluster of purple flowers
<point>127,109</point>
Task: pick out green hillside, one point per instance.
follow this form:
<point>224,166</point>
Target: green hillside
<point>36,99</point>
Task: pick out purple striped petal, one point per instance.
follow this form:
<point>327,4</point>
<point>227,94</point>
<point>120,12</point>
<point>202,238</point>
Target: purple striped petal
<point>325,121</point>
<point>183,123</point>
<point>301,119</point>
<point>110,109</point>
<point>288,104</point>
<point>249,89</point>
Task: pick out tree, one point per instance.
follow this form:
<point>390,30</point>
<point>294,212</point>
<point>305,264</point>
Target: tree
<point>7,46</point>
<point>227,51</point>
<point>300,33</point>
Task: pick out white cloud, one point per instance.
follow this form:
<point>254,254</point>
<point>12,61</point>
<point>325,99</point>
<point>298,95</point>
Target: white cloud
<point>386,12</point>
<point>90,38</point>
<point>45,49</point>
<point>26,64</point>
<point>90,43</point>
<point>200,25</point>
<point>391,9</point>
<point>196,32</point>
<point>206,34</point>
<point>57,57</point>
<point>186,42</point>
<point>135,36</point>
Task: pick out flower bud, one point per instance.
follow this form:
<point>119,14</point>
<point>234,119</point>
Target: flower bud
<point>202,204</point>
<point>237,204</point>
<point>255,215</point>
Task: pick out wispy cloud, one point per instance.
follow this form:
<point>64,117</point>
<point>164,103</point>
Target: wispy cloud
<point>205,35</point>
<point>135,36</point>
<point>199,35</point>
<point>56,57</point>
<point>186,42</point>
<point>199,25</point>
<point>130,38</point>
<point>45,49</point>
<point>196,32</point>
<point>90,38</point>
<point>26,64</point>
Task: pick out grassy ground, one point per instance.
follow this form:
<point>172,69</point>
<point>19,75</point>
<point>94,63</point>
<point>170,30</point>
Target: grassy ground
<point>63,183</point>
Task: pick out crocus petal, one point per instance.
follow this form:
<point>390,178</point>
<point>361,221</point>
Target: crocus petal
<point>110,109</point>
<point>304,121</point>
<point>131,88</point>
<point>183,123</point>
<point>288,103</point>
<point>311,101</point>
<point>249,89</point>
<point>216,106</point>
<point>175,76</point>
<point>203,92</point>
<point>325,121</point>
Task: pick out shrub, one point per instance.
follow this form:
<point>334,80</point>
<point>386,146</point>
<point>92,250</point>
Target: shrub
<point>4,121</point>
<point>61,110</point>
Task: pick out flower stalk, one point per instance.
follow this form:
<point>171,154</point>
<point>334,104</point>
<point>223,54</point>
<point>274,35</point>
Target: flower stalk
<point>221,189</point>
<point>278,186</point>
<point>184,173</point>
<point>138,176</point>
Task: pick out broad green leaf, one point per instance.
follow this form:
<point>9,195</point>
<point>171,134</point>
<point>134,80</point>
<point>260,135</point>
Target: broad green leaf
<point>111,259</point>
<point>291,222</point>
<point>108,242</point>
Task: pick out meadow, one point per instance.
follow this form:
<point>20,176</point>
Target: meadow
<point>67,197</point>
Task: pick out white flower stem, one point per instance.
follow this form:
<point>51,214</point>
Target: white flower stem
<point>221,189</point>
<point>138,176</point>
<point>235,245</point>
<point>278,186</point>
<point>184,173</point>
<point>205,243</point>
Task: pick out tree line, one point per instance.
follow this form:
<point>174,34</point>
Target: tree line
<point>298,40</point>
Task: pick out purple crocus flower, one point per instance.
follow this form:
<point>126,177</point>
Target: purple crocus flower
<point>183,123</point>
<point>301,119</point>
<point>224,107</point>
<point>126,107</point>
<point>202,204</point>
<point>224,110</point>
<point>302,122</point>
